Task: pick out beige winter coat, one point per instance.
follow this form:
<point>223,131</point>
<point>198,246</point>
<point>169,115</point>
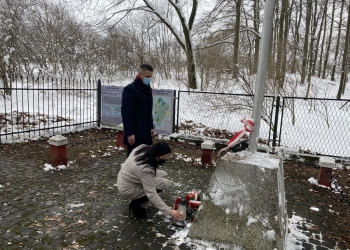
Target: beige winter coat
<point>135,181</point>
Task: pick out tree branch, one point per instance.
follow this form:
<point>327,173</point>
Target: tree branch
<point>167,23</point>
<point>214,44</point>
<point>193,14</point>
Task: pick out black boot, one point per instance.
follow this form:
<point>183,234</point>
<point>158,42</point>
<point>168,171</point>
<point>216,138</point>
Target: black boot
<point>135,206</point>
<point>139,212</point>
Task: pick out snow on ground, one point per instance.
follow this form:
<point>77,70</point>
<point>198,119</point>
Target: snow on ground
<point>314,181</point>
<point>48,166</point>
<point>295,237</point>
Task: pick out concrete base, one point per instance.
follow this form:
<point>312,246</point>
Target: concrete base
<point>245,203</point>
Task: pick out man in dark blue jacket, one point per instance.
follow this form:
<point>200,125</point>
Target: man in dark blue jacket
<point>137,104</point>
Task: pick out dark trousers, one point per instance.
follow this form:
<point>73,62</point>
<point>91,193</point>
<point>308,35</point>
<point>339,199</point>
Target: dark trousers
<point>130,148</point>
<point>137,203</point>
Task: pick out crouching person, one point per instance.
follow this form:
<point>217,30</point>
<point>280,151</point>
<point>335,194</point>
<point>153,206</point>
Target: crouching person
<point>140,180</point>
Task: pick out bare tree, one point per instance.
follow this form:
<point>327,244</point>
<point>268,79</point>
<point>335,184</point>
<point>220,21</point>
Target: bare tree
<point>316,18</point>
<point>324,16</point>
<point>329,42</point>
<point>306,41</point>
<point>181,27</point>
<point>338,40</point>
<point>344,67</point>
<point>282,43</point>
<point>236,38</point>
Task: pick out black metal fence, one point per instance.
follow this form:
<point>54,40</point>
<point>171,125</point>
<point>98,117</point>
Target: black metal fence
<point>51,106</point>
<point>47,106</point>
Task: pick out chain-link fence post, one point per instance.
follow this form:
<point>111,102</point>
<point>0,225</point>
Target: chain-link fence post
<point>99,102</point>
<point>275,125</point>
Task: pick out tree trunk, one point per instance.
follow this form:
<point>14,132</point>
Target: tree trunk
<point>236,38</point>
<point>271,73</point>
<point>185,41</point>
<point>306,42</point>
<point>296,36</point>
<point>344,66</point>
<point>279,80</point>
<point>257,38</point>
<point>322,46</point>
<point>191,68</point>
<point>329,43</point>
<point>338,41</point>
<point>282,44</point>
<point>311,49</point>
<point>324,15</point>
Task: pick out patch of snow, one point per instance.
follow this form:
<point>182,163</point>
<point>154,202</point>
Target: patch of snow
<point>251,220</point>
<point>295,237</point>
<point>180,236</point>
<point>315,209</point>
<point>227,211</point>
<point>270,235</point>
<point>76,205</point>
<point>263,160</point>
<point>313,181</point>
<point>48,167</point>
<point>6,59</point>
<point>205,198</point>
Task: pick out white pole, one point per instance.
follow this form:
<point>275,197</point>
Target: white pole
<point>261,75</point>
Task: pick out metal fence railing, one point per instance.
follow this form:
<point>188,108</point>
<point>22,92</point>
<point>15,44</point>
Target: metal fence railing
<point>51,106</point>
<point>317,125</point>
<point>46,106</point>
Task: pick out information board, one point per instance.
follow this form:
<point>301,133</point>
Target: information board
<point>111,105</point>
<point>163,108</point>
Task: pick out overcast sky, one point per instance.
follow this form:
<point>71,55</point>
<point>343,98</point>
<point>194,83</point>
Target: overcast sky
<point>89,11</point>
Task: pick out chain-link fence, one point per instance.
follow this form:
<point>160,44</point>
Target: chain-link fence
<point>316,125</point>
<point>220,111</point>
<point>313,125</point>
<point>49,106</point>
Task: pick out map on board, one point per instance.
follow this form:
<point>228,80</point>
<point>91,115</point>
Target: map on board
<point>163,108</point>
<point>163,105</point>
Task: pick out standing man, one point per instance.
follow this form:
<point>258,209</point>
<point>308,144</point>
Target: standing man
<point>137,104</point>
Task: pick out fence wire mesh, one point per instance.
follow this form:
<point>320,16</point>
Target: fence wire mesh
<point>320,126</point>
<point>48,106</point>
<point>43,107</point>
<point>201,113</point>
